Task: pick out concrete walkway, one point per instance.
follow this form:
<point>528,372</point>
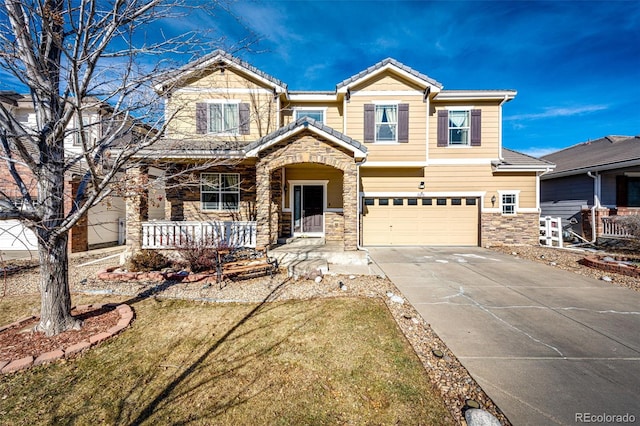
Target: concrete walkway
<point>548,346</point>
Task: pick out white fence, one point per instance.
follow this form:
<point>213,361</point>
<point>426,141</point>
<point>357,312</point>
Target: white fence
<point>612,229</point>
<point>170,235</point>
<point>551,231</point>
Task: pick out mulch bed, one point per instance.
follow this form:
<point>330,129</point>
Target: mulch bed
<point>21,341</point>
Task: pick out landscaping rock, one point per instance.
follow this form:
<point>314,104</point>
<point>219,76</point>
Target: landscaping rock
<point>479,417</point>
<point>606,278</point>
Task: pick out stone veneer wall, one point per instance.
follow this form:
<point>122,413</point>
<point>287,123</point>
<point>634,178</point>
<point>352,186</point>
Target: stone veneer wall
<point>521,229</point>
<point>183,202</point>
<point>300,149</point>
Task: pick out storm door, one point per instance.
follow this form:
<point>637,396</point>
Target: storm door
<point>308,209</point>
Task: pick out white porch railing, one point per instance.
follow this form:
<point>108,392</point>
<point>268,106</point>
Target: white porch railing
<point>551,231</point>
<point>612,229</point>
<point>170,234</point>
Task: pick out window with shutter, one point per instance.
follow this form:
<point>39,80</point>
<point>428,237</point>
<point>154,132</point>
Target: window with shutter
<point>369,123</point>
<point>459,127</point>
<point>222,118</point>
<point>403,123</point>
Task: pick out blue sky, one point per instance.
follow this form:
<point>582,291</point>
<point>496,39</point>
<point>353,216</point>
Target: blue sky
<point>575,64</point>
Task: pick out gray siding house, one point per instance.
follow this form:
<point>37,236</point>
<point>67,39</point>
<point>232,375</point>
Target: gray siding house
<point>599,178</point>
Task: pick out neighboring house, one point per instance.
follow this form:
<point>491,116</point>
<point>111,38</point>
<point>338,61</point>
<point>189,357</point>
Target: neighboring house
<point>386,158</point>
<point>104,224</point>
<point>598,178</point>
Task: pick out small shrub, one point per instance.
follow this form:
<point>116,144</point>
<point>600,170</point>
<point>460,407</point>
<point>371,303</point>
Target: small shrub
<point>147,260</point>
<point>201,254</point>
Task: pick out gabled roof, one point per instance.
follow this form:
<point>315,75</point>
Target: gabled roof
<point>300,125</point>
<point>384,65</point>
<point>610,152</point>
<point>218,57</point>
<point>514,160</point>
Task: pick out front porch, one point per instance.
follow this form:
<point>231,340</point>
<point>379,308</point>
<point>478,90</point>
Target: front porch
<point>299,181</point>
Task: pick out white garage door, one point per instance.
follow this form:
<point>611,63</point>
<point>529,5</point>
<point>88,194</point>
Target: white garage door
<point>420,221</point>
<point>14,236</point>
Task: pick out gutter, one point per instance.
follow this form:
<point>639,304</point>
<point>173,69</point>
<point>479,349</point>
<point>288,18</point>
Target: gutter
<point>358,207</point>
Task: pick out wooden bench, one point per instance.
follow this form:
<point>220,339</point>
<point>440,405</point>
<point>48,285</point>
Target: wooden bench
<point>245,262</point>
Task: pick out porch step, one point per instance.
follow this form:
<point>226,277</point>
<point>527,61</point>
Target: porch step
<point>287,255</point>
<point>307,268</point>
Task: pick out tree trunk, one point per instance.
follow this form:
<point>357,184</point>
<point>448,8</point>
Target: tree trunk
<point>55,296</point>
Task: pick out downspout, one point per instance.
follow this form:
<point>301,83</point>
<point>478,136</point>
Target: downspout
<point>505,100</point>
<point>596,204</point>
<point>358,206</point>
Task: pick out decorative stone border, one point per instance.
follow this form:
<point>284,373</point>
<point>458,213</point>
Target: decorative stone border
<point>598,262</point>
<point>10,366</point>
<point>185,277</point>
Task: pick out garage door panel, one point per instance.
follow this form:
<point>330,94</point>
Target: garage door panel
<point>14,236</point>
<point>421,223</point>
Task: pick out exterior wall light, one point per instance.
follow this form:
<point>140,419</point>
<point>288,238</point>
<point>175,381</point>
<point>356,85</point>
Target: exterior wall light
<point>493,201</point>
<point>421,186</point>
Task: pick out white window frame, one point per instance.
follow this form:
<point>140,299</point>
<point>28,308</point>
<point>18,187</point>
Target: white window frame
<point>223,102</point>
<point>299,112</point>
<point>220,191</point>
<point>466,110</point>
<point>376,123</point>
<point>514,205</point>
<point>88,130</point>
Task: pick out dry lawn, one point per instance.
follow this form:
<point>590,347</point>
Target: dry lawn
<point>324,361</point>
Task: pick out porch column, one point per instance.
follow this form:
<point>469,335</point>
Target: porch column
<point>136,206</point>
<point>263,204</point>
<point>78,235</point>
<point>350,200</point>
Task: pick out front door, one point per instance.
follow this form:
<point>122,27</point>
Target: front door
<point>308,209</point>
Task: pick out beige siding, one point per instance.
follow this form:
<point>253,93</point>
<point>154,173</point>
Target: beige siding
<point>221,86</point>
<point>490,133</point>
<point>386,81</point>
<point>414,150</point>
<point>447,179</point>
<point>334,117</point>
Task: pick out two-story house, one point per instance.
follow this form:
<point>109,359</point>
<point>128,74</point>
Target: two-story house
<point>104,224</point>
<point>386,158</point>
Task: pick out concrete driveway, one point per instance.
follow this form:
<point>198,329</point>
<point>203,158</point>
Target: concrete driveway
<point>548,346</point>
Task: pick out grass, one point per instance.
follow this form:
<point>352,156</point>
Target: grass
<point>324,361</point>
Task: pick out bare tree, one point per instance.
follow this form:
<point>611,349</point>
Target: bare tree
<point>76,59</point>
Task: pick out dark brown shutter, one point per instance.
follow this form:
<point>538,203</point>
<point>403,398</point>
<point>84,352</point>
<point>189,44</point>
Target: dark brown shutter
<point>369,123</point>
<point>443,127</point>
<point>201,118</point>
<point>475,127</point>
<point>403,123</point>
<point>621,191</point>
<point>244,119</point>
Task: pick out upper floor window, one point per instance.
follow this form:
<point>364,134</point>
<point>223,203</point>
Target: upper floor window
<point>386,123</point>
<point>220,191</point>
<point>459,127</point>
<point>316,114</point>
<point>86,133</point>
<point>459,124</point>
<point>222,118</point>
